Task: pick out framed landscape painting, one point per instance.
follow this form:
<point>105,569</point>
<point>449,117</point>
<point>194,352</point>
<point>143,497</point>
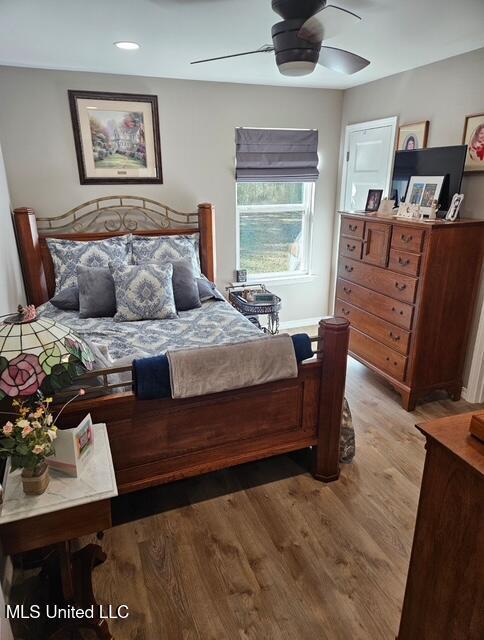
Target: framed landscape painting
<point>117,137</point>
<point>474,139</point>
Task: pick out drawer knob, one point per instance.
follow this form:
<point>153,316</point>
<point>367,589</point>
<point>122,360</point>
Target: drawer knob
<point>403,262</point>
<point>400,287</point>
<point>394,311</point>
<point>347,290</point>
<point>353,227</point>
<point>348,268</point>
<point>406,238</point>
<point>351,247</point>
<point>394,337</point>
<point>394,363</point>
<point>346,312</point>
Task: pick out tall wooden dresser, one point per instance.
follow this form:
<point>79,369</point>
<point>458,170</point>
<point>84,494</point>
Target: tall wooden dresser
<point>408,289</point>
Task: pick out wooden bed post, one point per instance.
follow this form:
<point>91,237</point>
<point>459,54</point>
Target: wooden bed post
<point>30,256</point>
<point>206,224</point>
<point>333,349</point>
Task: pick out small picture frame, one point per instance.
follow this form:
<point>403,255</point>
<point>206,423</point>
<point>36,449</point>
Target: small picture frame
<point>413,136</point>
<point>241,275</point>
<point>422,191</point>
<point>455,205</point>
<point>373,200</point>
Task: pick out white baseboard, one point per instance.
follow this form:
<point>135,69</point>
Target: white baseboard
<point>305,322</point>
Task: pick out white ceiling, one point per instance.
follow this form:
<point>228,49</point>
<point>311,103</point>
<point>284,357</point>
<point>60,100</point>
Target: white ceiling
<point>78,34</point>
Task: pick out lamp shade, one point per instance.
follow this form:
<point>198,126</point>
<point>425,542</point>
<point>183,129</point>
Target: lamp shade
<point>39,354</point>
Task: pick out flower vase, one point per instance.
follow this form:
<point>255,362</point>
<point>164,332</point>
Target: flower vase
<point>35,481</point>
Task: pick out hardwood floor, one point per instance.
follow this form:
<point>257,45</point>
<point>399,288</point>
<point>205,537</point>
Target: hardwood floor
<point>263,551</point>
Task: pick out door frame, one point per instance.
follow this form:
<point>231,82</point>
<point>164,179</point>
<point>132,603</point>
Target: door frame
<point>474,393</point>
<point>392,122</point>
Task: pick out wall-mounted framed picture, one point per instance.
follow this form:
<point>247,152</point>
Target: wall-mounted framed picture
<point>373,200</point>
<point>474,139</point>
<point>117,137</point>
<point>413,136</point>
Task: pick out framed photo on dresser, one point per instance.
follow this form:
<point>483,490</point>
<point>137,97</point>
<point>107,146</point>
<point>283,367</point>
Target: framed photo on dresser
<point>117,137</point>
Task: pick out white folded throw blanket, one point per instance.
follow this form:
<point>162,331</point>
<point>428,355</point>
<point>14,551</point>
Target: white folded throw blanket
<point>197,372</point>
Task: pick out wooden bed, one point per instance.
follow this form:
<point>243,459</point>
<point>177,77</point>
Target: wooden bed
<point>157,441</point>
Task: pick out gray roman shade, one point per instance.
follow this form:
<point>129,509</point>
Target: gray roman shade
<point>276,155</point>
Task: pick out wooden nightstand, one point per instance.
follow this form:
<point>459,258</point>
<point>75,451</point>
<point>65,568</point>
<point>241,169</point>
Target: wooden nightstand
<point>69,509</point>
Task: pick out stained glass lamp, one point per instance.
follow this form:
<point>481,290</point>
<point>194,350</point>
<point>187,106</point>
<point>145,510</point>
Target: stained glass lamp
<point>38,354</point>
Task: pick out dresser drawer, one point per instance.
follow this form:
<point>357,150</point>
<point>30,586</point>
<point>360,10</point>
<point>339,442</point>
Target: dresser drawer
<point>377,354</point>
<point>407,238</point>
<point>350,248</point>
<point>382,306</point>
<point>389,334</point>
<point>391,284</point>
<point>353,228</point>
<point>404,262</point>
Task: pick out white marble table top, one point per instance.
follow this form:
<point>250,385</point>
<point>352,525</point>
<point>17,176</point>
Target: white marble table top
<point>96,482</point>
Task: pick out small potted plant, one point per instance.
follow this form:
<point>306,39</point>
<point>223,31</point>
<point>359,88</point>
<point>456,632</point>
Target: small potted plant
<point>28,439</point>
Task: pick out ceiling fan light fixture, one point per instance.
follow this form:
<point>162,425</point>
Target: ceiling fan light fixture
<point>126,45</point>
<point>297,68</point>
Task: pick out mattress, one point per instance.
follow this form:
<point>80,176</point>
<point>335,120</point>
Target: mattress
<point>116,344</point>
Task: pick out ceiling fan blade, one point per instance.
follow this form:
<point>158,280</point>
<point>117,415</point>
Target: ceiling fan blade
<point>341,60</point>
<point>327,23</point>
<point>265,49</point>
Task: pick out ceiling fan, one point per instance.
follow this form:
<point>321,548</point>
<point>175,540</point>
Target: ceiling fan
<point>297,40</point>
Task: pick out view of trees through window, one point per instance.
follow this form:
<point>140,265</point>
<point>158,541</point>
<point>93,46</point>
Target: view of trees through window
<point>272,227</point>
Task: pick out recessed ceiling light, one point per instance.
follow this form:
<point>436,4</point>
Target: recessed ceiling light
<point>130,46</point>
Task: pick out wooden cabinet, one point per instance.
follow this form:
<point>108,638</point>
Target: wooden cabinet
<point>376,243</point>
<point>445,586</point>
<point>409,289</point>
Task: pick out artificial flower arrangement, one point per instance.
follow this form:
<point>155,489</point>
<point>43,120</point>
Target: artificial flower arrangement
<point>28,439</point>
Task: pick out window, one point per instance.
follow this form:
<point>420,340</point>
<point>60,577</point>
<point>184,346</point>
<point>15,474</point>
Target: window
<point>274,226</point>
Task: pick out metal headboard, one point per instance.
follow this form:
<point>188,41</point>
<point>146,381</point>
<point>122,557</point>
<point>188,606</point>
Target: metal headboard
<point>117,214</point>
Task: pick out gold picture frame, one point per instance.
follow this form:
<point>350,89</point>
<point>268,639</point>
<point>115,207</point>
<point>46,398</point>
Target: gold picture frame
<point>473,137</point>
<point>413,136</point>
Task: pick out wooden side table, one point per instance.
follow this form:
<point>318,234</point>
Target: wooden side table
<point>444,597</point>
<point>70,508</point>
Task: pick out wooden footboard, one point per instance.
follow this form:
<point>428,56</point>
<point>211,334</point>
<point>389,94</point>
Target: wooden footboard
<point>158,441</point>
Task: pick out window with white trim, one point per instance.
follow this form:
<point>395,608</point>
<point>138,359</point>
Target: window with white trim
<point>274,228</point>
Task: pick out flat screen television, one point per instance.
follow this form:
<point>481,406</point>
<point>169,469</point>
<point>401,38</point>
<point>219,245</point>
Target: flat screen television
<point>436,161</point>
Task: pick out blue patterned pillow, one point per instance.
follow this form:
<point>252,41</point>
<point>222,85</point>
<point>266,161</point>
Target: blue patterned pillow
<point>164,249</point>
<point>143,292</point>
<point>67,255</point>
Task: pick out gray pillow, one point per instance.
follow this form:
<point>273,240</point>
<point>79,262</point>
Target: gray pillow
<point>97,297</point>
<point>207,290</point>
<point>185,287</point>
<point>67,299</point>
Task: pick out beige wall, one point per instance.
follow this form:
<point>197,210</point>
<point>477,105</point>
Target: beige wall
<point>443,93</point>
<point>197,121</point>
<point>11,286</point>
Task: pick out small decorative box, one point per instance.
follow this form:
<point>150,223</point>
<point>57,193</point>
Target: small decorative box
<point>477,426</point>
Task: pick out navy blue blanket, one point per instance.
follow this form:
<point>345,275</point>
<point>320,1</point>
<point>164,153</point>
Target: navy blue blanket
<point>151,376</point>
